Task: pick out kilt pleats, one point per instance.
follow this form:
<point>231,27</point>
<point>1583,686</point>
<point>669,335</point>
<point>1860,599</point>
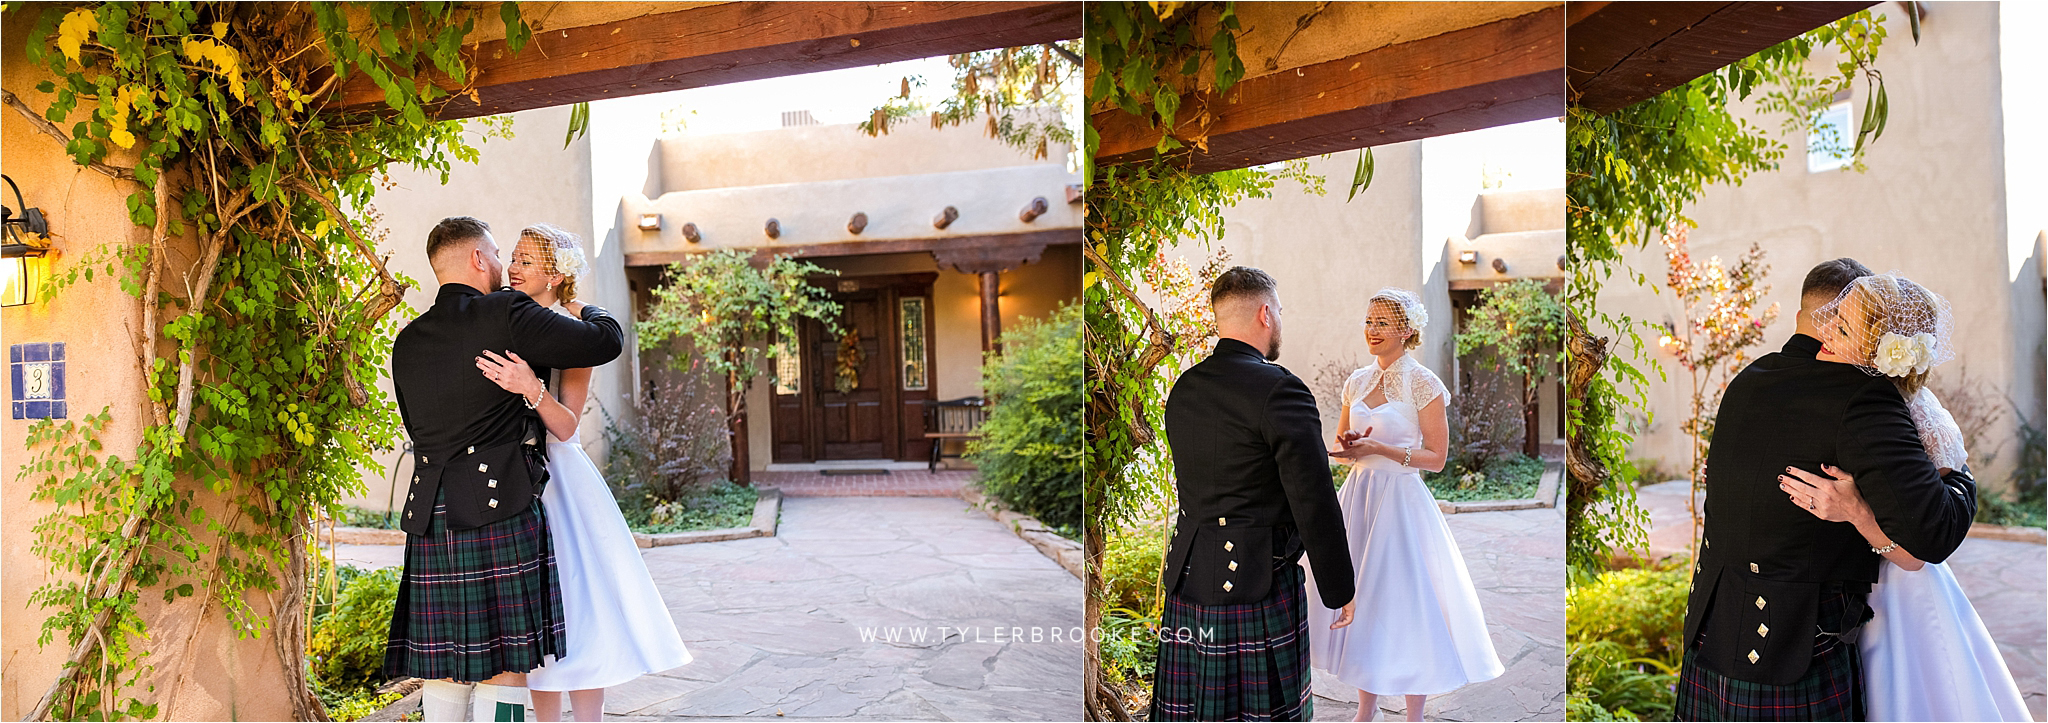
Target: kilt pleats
<point>1236,662</point>
<point>475,603</point>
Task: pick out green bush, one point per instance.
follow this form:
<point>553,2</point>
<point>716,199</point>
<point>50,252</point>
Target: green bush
<point>1513,477</point>
<point>721,505</point>
<point>1131,565</point>
<point>347,649</point>
<point>1029,453</point>
<point>1624,633</point>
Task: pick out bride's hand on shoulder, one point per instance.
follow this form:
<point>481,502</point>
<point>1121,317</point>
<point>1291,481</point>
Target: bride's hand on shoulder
<point>512,374</point>
<point>574,307</point>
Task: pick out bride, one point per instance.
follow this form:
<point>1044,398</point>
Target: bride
<point>1926,654</point>
<point>618,627</point>
<point>1419,631</point>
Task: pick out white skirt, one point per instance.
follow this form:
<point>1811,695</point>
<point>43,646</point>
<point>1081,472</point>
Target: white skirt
<point>1926,654</point>
<point>1418,629</point>
<point>618,628</point>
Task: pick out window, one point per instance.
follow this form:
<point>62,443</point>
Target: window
<point>789,374</point>
<point>1828,142</point>
<point>915,375</point>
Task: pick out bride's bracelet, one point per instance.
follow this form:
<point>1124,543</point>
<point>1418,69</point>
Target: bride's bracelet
<point>1885,549</point>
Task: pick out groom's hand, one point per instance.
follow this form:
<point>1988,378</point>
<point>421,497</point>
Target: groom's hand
<point>1344,615</point>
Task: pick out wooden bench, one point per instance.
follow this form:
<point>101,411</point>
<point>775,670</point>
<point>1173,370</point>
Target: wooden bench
<point>952,419</point>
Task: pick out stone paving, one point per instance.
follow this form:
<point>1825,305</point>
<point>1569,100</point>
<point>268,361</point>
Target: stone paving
<point>2006,581</point>
<point>897,483</point>
<point>863,608</point>
<point>1516,559</point>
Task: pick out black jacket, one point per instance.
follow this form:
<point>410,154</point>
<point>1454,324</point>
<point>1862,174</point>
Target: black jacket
<point>479,441</point>
<point>1254,483</point>
<point>1757,583</point>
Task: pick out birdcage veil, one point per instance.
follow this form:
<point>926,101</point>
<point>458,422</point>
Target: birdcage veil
<point>567,259</point>
<point>1410,305</point>
<point>1893,326</point>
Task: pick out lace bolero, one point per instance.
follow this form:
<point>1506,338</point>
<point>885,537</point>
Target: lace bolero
<point>1409,381</point>
<point>1938,430</point>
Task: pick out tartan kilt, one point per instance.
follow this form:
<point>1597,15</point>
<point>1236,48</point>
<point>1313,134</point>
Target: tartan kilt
<point>1244,662</point>
<point>1831,689</point>
<point>475,603</point>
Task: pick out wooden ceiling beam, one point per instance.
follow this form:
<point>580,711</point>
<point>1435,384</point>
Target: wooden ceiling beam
<point>1504,71</point>
<point>1625,52</point>
<point>730,43</point>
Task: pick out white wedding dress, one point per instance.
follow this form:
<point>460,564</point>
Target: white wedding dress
<point>1926,654</point>
<point>617,626</point>
<point>1418,628</point>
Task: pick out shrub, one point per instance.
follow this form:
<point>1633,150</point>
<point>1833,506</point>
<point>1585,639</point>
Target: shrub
<point>1623,632</point>
<point>1029,453</point>
<point>1485,425</point>
<point>719,506</point>
<point>1514,477</point>
<point>677,446</point>
<point>1131,565</point>
<point>347,649</point>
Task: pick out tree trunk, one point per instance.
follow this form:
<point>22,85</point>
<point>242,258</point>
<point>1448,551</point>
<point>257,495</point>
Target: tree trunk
<point>1099,703</point>
<point>736,427</point>
<point>1532,422</point>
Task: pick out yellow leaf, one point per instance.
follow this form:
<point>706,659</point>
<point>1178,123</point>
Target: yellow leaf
<point>321,230</point>
<point>224,59</point>
<point>121,137</point>
<point>78,26</point>
<point>220,30</point>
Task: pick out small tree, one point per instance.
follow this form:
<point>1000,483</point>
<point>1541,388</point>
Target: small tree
<point>735,315</point>
<point>1721,323</point>
<point>1517,328</point>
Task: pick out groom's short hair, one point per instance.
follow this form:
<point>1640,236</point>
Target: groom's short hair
<point>454,230</point>
<point>1241,281</point>
<point>1829,278</point>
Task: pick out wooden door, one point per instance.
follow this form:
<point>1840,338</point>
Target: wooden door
<point>854,420</point>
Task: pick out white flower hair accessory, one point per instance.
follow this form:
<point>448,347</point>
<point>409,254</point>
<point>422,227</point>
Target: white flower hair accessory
<point>569,261</point>
<point>1410,305</point>
<point>1905,326</point>
<point>1898,356</point>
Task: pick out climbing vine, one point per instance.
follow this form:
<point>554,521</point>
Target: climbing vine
<point>1629,176</point>
<point>264,307</point>
<point>1142,59</point>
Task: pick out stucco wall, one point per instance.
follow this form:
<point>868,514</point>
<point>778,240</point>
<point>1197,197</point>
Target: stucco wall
<point>220,674</point>
<point>516,182</point>
<point>801,154</point>
<point>1932,205</point>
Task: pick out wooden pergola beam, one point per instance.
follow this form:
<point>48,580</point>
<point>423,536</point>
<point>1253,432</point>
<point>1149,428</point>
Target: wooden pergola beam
<point>1501,72</point>
<point>731,43</point>
<point>1625,52</point>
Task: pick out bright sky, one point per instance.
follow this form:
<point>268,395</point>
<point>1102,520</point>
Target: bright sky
<point>833,96</point>
<point>1531,153</point>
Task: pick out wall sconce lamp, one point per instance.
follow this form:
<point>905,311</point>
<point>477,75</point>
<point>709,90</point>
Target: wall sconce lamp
<point>22,259</point>
<point>691,234</point>
<point>1468,258</point>
<point>650,222</point>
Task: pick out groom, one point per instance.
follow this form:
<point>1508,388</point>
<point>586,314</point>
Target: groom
<point>479,600</point>
<point>1778,595</point>
<point>1255,493</point>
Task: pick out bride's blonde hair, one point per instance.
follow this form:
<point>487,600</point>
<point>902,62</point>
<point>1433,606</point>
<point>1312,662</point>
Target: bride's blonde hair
<point>552,238</point>
<point>1889,303</point>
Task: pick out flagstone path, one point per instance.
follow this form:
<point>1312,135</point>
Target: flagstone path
<point>864,608</point>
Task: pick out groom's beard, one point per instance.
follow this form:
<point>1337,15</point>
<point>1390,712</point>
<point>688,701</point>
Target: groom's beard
<point>1273,349</point>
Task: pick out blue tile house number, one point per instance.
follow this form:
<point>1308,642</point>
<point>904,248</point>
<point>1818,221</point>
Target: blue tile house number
<point>37,373</point>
